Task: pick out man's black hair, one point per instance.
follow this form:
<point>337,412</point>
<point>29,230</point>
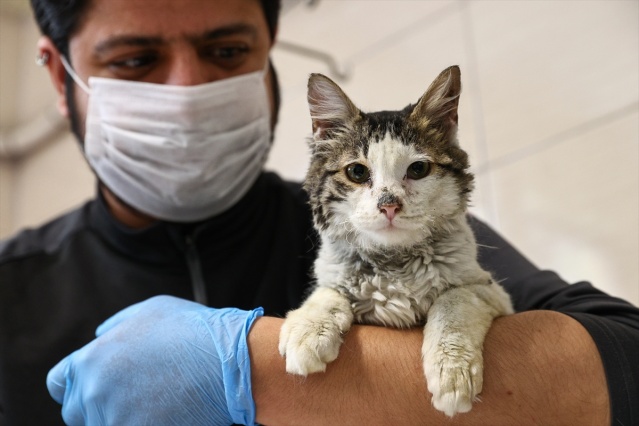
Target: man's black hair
<point>59,19</point>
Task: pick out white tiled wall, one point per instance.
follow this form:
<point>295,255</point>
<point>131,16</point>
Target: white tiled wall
<point>549,114</point>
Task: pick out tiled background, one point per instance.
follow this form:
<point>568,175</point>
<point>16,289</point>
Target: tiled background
<point>549,115</point>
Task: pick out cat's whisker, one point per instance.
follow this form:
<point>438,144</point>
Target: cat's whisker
<point>351,236</point>
<point>486,246</point>
<point>348,231</point>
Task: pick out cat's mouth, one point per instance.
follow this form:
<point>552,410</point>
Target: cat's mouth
<point>391,233</point>
<point>390,225</point>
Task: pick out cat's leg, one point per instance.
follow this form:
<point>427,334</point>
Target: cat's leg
<point>454,335</point>
<point>311,335</point>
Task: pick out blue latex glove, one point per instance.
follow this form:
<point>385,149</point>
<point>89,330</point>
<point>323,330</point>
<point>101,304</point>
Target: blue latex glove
<point>159,362</point>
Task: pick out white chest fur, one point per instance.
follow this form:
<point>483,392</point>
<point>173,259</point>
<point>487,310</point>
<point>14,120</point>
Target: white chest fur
<point>398,289</point>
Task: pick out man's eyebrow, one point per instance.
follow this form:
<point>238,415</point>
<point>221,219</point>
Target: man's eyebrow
<point>126,40</point>
<point>229,30</point>
<point>149,41</point>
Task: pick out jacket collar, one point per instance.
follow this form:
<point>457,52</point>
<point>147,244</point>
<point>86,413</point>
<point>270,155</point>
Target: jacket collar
<point>165,241</point>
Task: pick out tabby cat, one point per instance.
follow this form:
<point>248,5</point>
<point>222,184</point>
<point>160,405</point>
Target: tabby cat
<point>389,192</point>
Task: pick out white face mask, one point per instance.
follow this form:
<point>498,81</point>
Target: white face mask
<point>178,153</point>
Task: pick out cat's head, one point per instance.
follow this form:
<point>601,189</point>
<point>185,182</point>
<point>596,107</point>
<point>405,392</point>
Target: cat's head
<point>389,178</point>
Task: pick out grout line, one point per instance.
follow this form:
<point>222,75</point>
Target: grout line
<point>557,139</point>
<point>394,38</point>
<point>488,186</point>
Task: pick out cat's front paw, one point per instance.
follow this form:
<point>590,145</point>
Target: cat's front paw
<point>455,379</point>
<point>311,337</point>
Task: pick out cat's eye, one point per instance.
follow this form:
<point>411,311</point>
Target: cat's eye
<point>418,170</point>
<point>357,172</point>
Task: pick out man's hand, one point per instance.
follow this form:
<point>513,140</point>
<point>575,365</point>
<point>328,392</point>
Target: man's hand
<point>162,361</point>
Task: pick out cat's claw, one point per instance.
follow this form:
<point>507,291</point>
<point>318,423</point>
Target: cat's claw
<point>454,381</point>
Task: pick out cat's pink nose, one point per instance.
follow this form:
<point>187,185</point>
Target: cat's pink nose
<point>390,210</point>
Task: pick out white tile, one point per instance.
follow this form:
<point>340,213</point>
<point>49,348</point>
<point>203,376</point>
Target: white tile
<point>574,208</point>
<point>8,72</point>
<point>347,27</point>
<point>289,153</point>
<point>549,66</point>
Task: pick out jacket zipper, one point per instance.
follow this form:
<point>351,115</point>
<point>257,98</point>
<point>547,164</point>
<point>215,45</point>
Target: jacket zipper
<point>195,270</point>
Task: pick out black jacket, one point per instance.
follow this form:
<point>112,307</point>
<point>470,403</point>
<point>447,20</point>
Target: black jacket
<point>60,281</point>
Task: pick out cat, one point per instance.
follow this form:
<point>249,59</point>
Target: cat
<point>389,192</point>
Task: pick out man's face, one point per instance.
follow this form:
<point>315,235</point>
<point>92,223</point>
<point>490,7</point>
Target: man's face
<point>185,42</point>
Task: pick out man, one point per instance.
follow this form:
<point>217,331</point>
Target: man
<point>172,219</point>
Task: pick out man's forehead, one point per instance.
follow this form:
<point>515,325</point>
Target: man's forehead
<point>166,20</point>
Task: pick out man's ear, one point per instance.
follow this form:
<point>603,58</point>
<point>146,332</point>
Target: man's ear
<point>46,49</point>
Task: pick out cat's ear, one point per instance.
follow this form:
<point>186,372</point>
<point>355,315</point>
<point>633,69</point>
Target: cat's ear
<point>330,108</point>
<point>439,104</point>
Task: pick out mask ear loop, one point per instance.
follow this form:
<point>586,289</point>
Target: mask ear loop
<point>74,76</point>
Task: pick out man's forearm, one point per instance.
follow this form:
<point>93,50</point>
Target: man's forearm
<point>540,367</point>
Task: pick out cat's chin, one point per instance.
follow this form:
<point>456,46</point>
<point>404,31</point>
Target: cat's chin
<point>392,236</point>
